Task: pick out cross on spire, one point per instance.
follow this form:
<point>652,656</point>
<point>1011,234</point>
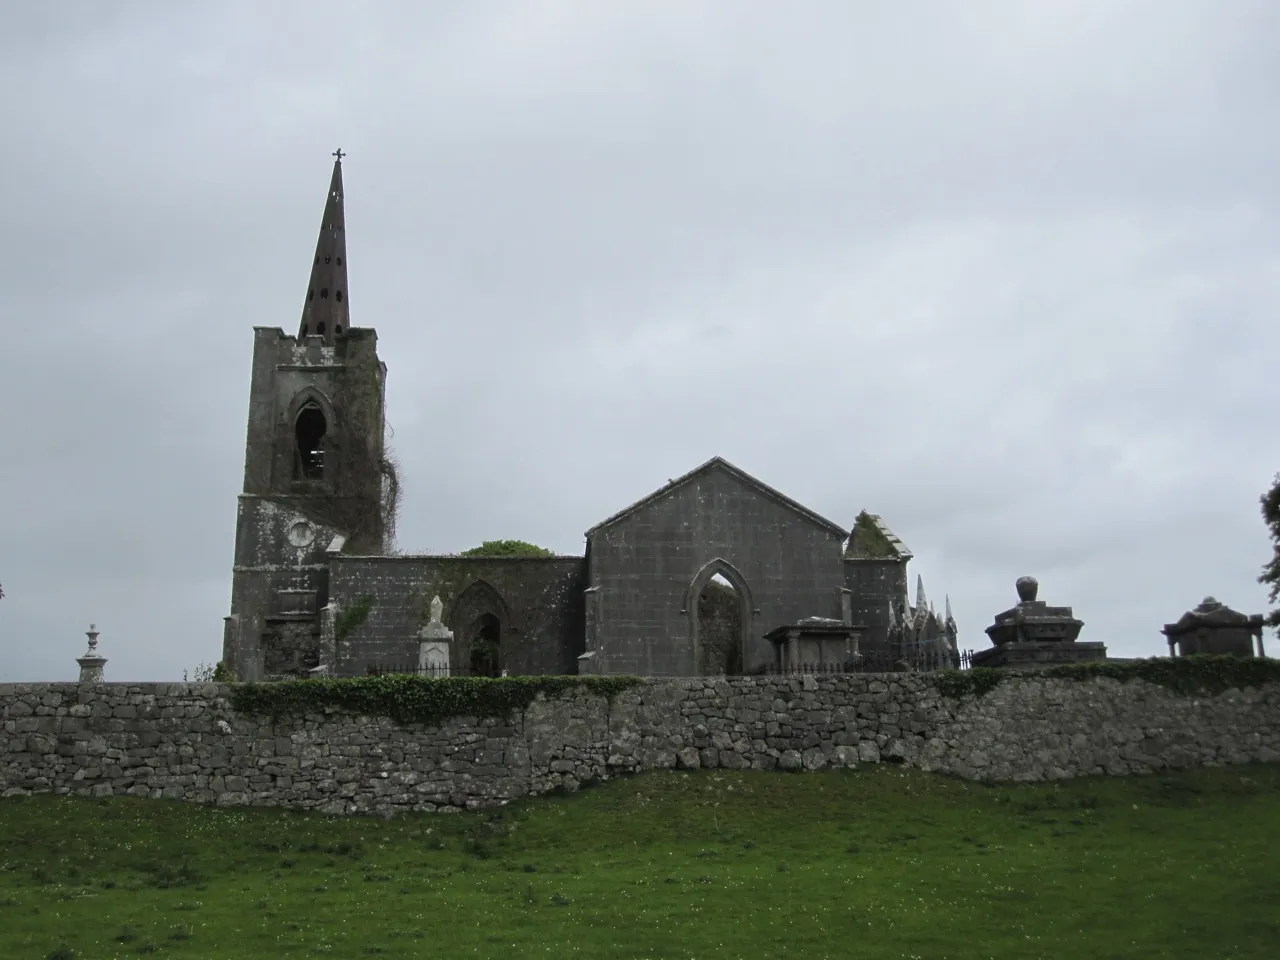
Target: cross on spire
<point>339,154</point>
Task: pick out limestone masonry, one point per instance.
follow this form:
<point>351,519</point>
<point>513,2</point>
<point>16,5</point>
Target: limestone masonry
<point>316,587</point>
<point>184,741</point>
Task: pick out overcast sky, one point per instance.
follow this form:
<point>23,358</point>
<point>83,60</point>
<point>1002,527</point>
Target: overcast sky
<point>1007,274</point>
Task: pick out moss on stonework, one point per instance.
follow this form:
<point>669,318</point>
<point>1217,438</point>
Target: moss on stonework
<point>447,582</point>
<point>507,548</point>
<point>412,699</point>
<point>867,540</point>
<point>1190,676</point>
<point>350,619</point>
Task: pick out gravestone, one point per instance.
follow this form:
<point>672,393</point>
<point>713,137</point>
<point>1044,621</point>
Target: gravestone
<point>92,662</point>
<point>1213,627</point>
<point>433,644</point>
<point>815,643</point>
<point>1034,634</point>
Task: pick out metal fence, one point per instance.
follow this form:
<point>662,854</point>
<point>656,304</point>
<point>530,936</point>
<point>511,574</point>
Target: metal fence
<point>878,662</point>
<point>910,661</point>
<point>391,668</point>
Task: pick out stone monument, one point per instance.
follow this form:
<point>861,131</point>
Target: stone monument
<point>815,644</point>
<point>92,662</point>
<point>1214,627</point>
<point>433,644</point>
<point>1034,634</point>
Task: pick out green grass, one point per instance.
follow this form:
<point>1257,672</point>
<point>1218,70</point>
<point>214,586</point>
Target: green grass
<point>880,862</point>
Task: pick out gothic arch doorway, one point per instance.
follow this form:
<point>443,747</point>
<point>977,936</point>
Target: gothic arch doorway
<point>480,624</point>
<point>719,608</point>
<point>486,646</point>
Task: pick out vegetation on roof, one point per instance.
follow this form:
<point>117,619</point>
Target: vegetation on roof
<point>868,540</point>
<point>507,548</point>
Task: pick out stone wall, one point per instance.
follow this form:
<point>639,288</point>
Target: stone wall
<point>643,564</point>
<point>185,741</point>
<point>537,600</point>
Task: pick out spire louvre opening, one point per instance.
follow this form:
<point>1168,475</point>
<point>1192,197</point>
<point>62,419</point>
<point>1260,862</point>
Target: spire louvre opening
<point>325,310</point>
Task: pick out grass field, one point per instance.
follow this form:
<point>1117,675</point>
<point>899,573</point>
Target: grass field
<point>878,862</point>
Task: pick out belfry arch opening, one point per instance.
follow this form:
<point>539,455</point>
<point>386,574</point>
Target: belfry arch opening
<point>309,431</point>
<point>719,615</point>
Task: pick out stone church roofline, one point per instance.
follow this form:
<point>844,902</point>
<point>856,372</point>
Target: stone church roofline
<point>459,558</point>
<point>352,333</point>
<point>740,474</point>
<point>881,531</point>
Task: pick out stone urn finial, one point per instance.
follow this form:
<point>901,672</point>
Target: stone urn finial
<point>1027,587</point>
<point>92,662</point>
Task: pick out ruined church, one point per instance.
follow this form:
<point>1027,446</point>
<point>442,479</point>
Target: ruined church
<point>315,591</point>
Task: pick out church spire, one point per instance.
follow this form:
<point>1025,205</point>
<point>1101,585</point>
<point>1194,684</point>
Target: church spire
<point>325,311</point>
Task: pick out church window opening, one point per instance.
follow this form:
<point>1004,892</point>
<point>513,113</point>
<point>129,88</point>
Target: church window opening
<point>337,295</point>
<point>311,294</point>
<point>309,431</point>
<point>324,293</point>
<point>719,614</point>
<point>339,261</point>
<point>326,259</point>
<point>320,328</point>
<point>486,645</point>
<point>304,329</point>
<point>337,329</point>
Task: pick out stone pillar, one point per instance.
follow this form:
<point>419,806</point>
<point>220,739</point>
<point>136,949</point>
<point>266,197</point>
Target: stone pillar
<point>592,610</point>
<point>328,665</point>
<point>92,662</point>
<point>791,659</point>
<point>433,644</point>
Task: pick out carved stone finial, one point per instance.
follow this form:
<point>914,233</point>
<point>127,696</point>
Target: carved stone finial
<point>1028,587</point>
<point>92,662</point>
<point>437,609</point>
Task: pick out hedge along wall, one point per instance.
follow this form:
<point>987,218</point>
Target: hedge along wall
<point>404,750</point>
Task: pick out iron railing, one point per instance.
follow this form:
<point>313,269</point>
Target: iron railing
<point>878,661</point>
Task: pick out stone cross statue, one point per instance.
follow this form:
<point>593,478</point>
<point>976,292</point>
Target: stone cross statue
<point>433,643</point>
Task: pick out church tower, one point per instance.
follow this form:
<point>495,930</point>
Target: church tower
<point>315,477</point>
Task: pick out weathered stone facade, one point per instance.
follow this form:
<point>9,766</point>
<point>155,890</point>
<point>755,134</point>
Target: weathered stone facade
<point>318,505</point>
<point>184,741</point>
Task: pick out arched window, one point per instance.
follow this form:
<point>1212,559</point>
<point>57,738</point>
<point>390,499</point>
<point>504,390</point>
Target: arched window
<point>719,614</point>
<point>719,608</point>
<point>309,431</point>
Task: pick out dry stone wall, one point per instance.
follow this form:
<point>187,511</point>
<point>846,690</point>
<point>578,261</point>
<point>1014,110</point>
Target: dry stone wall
<point>185,741</point>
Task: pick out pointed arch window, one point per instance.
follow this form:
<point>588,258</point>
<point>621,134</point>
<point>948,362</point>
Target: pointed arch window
<point>309,431</point>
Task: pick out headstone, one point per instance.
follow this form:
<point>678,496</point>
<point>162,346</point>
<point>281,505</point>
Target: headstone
<point>1213,627</point>
<point>92,662</point>
<point>433,644</point>
<point>1034,634</point>
<point>815,643</point>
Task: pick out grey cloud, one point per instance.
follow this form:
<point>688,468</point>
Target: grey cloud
<point>1005,275</point>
